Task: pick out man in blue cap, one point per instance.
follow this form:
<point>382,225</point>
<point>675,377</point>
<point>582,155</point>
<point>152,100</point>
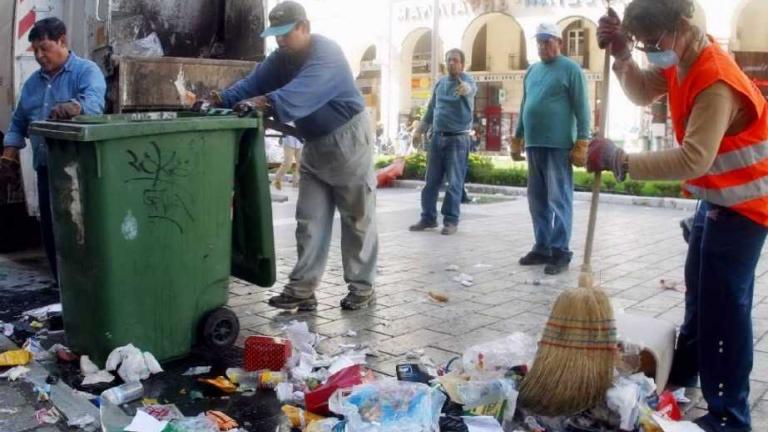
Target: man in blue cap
<point>307,80</point>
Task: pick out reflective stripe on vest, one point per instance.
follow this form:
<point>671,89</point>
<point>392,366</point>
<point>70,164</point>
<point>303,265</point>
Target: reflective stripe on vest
<point>731,196</point>
<point>740,158</point>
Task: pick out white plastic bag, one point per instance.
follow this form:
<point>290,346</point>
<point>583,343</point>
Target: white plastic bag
<point>625,396</point>
<point>149,46</point>
<point>498,356</point>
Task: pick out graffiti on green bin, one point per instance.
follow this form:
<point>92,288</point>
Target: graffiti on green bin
<point>163,196</point>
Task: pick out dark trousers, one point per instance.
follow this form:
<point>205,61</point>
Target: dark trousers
<point>715,341</point>
<point>46,219</point>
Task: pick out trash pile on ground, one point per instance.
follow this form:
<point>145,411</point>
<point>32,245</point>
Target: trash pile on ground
<point>475,392</point>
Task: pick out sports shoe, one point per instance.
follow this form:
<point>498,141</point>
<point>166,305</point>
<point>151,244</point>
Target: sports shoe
<point>285,301</point>
<point>354,302</point>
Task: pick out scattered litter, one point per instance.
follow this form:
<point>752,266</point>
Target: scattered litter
<point>36,349</point>
<point>452,268</point>
<point>8,329</point>
<point>440,297</point>
<point>264,352</point>
<point>98,377</point>
<point>133,365</point>
<point>195,395</point>
<point>676,426</point>
<point>223,421</point>
<point>84,395</point>
<point>298,417</point>
<point>197,370</point>
<point>539,282</point>
<point>37,325</point>
<point>87,367</point>
<point>499,355</point>
<point>350,333</point>
<point>144,422</point>
<point>671,285</point>
<point>15,373</point>
<point>680,396</point>
<point>81,421</point>
<point>15,358</point>
<point>481,265</point>
<point>43,392</point>
<point>482,424</point>
<point>47,416</point>
<point>220,383</point>
<point>149,46</point>
<point>41,313</point>
<point>200,423</point>
<point>162,412</point>
<point>63,353</point>
<point>464,279</point>
<point>124,393</point>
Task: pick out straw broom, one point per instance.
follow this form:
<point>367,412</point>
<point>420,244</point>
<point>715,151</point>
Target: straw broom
<point>574,365</point>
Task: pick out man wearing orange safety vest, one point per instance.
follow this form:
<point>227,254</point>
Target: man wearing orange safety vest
<point>721,123</point>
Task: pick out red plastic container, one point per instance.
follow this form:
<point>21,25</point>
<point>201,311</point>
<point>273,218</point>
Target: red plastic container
<point>316,400</point>
<point>264,352</point>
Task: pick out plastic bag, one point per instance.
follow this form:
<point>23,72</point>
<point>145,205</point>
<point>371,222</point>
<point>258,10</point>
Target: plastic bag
<point>627,396</point>
<point>498,356</point>
<point>389,405</point>
<point>200,423</point>
<point>149,46</point>
<point>475,393</point>
<point>133,365</point>
<point>15,358</point>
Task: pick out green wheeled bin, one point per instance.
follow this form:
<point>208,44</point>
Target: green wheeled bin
<point>144,207</point>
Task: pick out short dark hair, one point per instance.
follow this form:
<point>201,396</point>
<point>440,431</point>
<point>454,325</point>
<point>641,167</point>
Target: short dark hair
<point>654,17</point>
<point>48,28</point>
<point>455,51</point>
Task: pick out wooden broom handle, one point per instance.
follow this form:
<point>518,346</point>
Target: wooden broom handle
<point>587,266</point>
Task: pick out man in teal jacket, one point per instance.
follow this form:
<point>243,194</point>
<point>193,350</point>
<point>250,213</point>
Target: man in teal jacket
<point>554,126</point>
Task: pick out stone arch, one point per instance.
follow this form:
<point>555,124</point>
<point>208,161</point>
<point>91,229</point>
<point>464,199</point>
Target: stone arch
<point>749,32</point>
<point>482,32</point>
<point>413,46</point>
<point>580,33</point>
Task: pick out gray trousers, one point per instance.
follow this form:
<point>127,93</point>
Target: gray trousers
<point>337,173</point>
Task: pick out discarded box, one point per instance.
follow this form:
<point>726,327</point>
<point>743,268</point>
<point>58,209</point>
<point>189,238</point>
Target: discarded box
<point>264,352</point>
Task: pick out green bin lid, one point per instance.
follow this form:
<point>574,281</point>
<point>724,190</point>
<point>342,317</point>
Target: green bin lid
<point>114,126</point>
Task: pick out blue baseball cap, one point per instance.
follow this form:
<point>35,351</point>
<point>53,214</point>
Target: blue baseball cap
<point>283,18</point>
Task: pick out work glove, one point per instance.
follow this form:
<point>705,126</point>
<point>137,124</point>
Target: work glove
<point>463,89</point>
<point>579,153</point>
<point>610,34</point>
<point>517,149</point>
<point>213,100</point>
<point>604,155</point>
<point>258,103</point>
<point>66,110</point>
<point>9,168</point>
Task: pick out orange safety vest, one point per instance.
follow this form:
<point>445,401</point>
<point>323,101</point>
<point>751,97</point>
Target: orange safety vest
<point>738,178</point>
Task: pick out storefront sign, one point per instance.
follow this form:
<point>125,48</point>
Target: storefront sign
<point>422,11</point>
<point>520,75</point>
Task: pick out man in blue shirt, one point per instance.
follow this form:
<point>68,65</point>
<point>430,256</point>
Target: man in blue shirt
<point>64,87</point>
<point>308,81</point>
<point>554,125</point>
<point>449,114</point>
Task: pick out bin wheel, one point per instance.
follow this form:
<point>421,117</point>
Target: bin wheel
<point>220,328</point>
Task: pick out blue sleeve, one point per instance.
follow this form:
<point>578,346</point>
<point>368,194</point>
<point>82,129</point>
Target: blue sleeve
<point>258,82</point>
<point>579,100</point>
<point>469,100</point>
<point>19,123</point>
<point>430,114</point>
<point>316,84</point>
<point>91,89</point>
<point>520,130</point>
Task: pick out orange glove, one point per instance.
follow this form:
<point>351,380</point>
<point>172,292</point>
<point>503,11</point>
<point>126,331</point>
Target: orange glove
<point>579,153</point>
<point>517,149</point>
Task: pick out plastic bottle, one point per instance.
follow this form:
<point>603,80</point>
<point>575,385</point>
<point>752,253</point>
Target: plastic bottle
<point>263,379</point>
<point>477,393</point>
<point>125,393</point>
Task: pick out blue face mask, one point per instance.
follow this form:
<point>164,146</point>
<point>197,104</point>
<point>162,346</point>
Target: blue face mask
<point>663,59</point>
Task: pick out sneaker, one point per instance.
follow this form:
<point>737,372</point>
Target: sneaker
<point>354,302</point>
<point>285,301</point>
<point>449,229</point>
<point>421,226</point>
<point>558,263</point>
<point>534,258</point>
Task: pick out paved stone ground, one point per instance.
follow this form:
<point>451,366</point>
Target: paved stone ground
<point>635,248</point>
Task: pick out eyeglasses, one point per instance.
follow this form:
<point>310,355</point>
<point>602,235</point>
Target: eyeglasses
<point>644,47</point>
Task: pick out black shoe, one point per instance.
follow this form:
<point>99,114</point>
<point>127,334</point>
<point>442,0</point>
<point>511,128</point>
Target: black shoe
<point>534,258</point>
<point>285,301</point>
<point>558,263</point>
<point>449,229</point>
<point>355,302</point>
<point>421,226</point>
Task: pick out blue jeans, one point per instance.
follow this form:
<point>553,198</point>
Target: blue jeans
<point>46,219</point>
<point>446,162</point>
<point>550,199</point>
<point>715,340</point>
